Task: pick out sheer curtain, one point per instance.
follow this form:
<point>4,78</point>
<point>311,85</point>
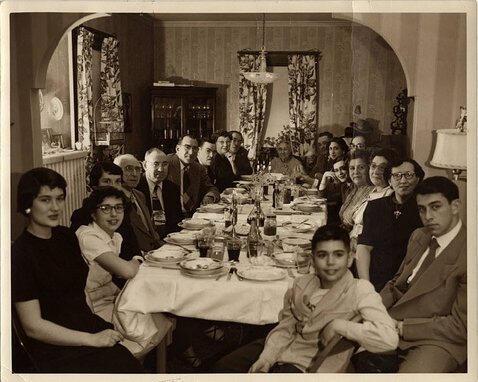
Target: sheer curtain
<point>303,83</point>
<point>252,104</point>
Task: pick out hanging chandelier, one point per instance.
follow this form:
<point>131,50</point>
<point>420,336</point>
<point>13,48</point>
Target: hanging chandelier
<point>261,76</point>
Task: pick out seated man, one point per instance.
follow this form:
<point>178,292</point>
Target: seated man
<point>207,150</point>
<point>109,174</point>
<point>221,168</point>
<point>190,184</point>
<point>316,308</point>
<point>237,155</point>
<point>286,164</point>
<point>427,296</point>
<point>140,217</point>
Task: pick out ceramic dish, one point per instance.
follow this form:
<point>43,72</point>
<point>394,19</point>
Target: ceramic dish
<point>262,273</point>
<point>160,264</point>
<point>201,264</point>
<point>221,271</point>
<point>167,255</point>
<point>299,227</point>
<point>214,208</point>
<point>289,244</point>
<point>181,238</point>
<point>307,207</point>
<point>194,224</point>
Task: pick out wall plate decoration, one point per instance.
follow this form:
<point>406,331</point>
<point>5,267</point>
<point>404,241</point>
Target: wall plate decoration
<point>56,109</point>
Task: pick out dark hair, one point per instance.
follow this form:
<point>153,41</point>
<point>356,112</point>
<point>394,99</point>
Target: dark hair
<point>91,203</point>
<point>325,134</point>
<point>330,232</point>
<point>340,141</point>
<point>180,140</point>
<point>32,181</point>
<point>219,134</point>
<point>204,140</point>
<point>237,132</point>
<point>103,167</point>
<point>358,154</point>
<point>438,185</point>
<point>387,173</point>
<point>389,154</point>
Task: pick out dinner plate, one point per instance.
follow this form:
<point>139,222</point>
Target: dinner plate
<point>290,243</point>
<point>202,264</point>
<point>214,208</point>
<point>194,224</point>
<point>181,238</point>
<point>299,227</point>
<point>166,255</point>
<point>262,273</point>
<point>160,264</point>
<point>221,271</point>
<point>307,207</point>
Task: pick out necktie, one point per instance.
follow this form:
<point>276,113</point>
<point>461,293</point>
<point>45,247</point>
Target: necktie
<point>432,250</point>
<point>185,179</point>
<point>155,199</point>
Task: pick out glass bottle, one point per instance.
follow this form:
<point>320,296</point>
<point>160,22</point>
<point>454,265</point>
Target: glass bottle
<point>270,225</point>
<point>259,213</point>
<point>227,217</point>
<point>253,240</point>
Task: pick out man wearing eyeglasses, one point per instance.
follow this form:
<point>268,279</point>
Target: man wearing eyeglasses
<point>140,217</point>
<point>358,143</point>
<point>192,185</point>
<point>388,223</point>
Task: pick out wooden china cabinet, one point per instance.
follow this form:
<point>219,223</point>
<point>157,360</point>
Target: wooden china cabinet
<point>179,110</point>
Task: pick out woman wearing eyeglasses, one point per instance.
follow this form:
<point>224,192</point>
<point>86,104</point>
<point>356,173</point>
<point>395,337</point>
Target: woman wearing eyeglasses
<point>100,246</point>
<point>48,288</point>
<point>388,223</point>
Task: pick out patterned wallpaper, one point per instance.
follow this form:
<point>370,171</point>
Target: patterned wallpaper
<point>357,66</point>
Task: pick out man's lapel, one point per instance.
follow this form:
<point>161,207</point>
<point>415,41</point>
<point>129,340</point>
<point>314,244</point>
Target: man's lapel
<point>147,217</point>
<point>438,271</point>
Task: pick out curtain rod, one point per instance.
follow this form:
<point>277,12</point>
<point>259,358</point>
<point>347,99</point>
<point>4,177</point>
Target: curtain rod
<point>269,52</point>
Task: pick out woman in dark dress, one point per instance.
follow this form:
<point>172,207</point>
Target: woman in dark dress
<point>48,288</point>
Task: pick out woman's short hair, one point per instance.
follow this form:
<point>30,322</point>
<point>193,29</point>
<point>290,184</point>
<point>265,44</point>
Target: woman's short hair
<point>389,154</point>
<point>32,181</point>
<point>417,169</point>
<point>91,203</point>
<point>330,232</point>
<point>358,154</point>
<point>103,167</point>
<point>342,144</point>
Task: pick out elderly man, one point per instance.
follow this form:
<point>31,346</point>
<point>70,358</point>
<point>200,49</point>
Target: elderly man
<point>191,184</point>
<point>159,192</point>
<point>221,168</point>
<point>286,164</point>
<point>139,215</point>
<point>207,150</point>
<point>428,295</point>
<point>237,155</point>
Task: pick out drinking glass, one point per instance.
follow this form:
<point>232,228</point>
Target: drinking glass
<point>279,198</point>
<point>234,245</point>
<point>203,244</point>
<point>217,251</point>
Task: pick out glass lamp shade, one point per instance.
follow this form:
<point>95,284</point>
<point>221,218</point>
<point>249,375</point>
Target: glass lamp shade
<point>450,150</point>
<point>261,76</point>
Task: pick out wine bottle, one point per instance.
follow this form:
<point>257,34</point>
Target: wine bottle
<point>253,240</point>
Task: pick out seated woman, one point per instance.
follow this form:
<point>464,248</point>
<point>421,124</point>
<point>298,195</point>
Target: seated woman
<point>358,173</point>
<point>48,288</point>
<point>336,148</point>
<point>379,160</point>
<point>335,186</point>
<point>316,308</point>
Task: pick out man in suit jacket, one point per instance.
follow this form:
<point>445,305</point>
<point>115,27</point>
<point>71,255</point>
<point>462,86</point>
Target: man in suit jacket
<point>159,192</point>
<point>221,168</point>
<point>190,184</point>
<point>237,155</point>
<point>207,150</point>
<point>427,296</point>
<point>140,217</point>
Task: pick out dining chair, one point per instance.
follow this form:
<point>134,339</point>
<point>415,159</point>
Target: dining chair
<point>20,340</point>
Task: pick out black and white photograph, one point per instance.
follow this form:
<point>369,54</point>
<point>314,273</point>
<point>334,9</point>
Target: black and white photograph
<point>212,190</point>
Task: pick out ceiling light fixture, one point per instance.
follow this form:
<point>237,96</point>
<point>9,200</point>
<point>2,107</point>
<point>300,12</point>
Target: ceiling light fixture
<point>262,76</point>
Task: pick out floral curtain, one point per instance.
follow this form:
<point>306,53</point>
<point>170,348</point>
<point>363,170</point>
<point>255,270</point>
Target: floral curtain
<point>84,88</point>
<point>252,104</point>
<point>303,100</point>
<point>111,103</point>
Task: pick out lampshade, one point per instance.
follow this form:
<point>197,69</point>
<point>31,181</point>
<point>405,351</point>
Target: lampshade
<point>450,150</point>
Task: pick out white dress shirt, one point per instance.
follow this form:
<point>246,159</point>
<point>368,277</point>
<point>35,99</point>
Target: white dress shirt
<point>443,242</point>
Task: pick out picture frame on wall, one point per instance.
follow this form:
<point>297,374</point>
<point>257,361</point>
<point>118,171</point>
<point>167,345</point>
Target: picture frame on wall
<point>127,112</point>
<point>57,141</point>
<point>46,137</point>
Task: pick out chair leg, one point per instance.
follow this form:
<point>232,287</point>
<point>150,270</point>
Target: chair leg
<point>161,356</point>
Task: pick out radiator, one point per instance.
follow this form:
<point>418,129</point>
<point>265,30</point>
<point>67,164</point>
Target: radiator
<point>72,167</point>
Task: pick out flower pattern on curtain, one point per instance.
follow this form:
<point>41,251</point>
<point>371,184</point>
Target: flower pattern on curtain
<point>303,100</point>
<point>84,87</point>
<point>252,104</point>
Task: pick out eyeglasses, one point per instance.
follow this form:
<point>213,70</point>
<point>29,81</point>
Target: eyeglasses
<point>106,208</point>
<point>130,168</point>
<point>408,175</point>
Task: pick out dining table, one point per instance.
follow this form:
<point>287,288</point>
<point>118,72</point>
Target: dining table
<point>224,297</point>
